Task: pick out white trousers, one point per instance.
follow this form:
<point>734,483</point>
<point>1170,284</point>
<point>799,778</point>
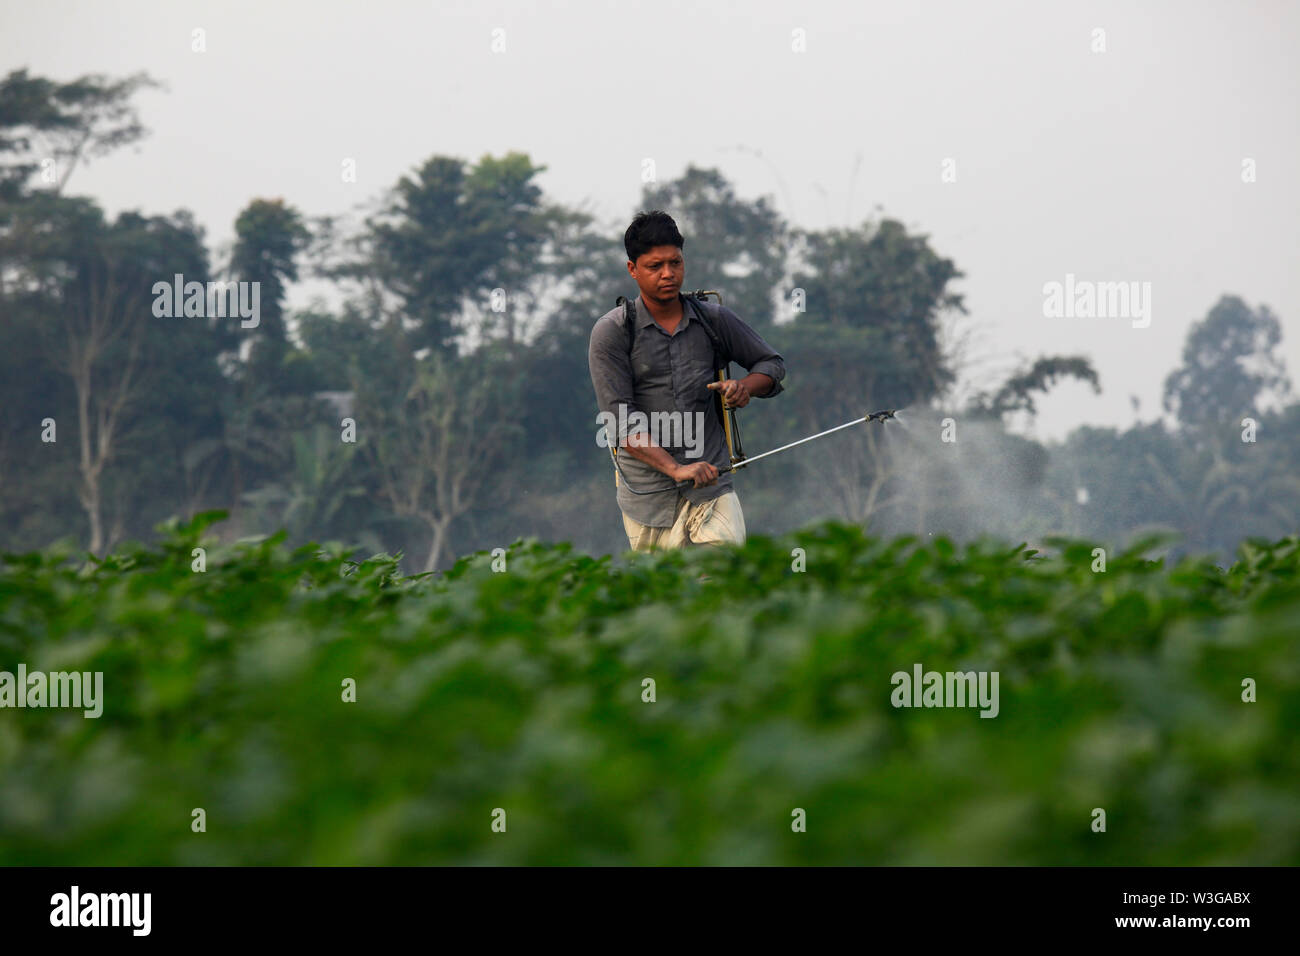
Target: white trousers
<point>716,521</point>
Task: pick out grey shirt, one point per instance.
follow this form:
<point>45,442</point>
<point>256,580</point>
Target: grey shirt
<point>670,373</point>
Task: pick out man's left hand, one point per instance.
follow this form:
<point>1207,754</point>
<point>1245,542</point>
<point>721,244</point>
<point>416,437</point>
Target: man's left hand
<point>735,393</point>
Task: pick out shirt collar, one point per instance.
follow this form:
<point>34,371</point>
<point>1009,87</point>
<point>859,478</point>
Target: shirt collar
<point>644,317</point>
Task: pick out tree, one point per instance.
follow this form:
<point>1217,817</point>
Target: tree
<point>869,340</point>
<point>98,333</point>
<point>269,237</point>
<point>52,127</point>
<point>1201,487</point>
<point>77,288</point>
<point>443,239</point>
<point>735,246</point>
<point>85,290</point>
<point>319,485</point>
<point>1112,470</point>
<point>434,452</point>
<point>1229,364</point>
<point>516,227</point>
<point>558,407</point>
<point>1017,393</point>
<point>886,290</point>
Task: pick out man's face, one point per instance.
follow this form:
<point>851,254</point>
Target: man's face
<point>659,273</point>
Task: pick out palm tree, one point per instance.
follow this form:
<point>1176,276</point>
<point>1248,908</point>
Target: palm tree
<point>316,489</point>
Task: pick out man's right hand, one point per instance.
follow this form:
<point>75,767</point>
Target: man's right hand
<point>702,473</point>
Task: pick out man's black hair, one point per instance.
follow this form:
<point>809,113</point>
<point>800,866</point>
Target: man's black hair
<point>650,229</point>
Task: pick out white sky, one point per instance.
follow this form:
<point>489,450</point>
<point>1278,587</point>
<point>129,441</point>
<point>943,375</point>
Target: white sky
<point>1115,166</point>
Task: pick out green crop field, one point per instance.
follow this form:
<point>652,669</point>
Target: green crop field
<point>1165,696</point>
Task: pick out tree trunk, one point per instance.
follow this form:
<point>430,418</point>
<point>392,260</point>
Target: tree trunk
<point>90,501</point>
<point>439,537</point>
<point>88,494</point>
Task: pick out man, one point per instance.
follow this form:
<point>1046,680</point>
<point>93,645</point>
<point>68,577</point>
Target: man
<point>671,369</point>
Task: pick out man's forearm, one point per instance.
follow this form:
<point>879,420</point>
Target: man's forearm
<point>758,383</point>
<point>640,447</point>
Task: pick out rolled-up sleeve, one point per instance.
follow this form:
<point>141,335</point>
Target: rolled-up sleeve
<point>751,352</point>
<point>611,374</point>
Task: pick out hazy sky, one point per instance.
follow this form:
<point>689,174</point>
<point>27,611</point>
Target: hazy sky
<point>1115,166</point>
